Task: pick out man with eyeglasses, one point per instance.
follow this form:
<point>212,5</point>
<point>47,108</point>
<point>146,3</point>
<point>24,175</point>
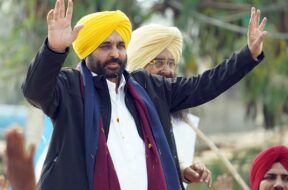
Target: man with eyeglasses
<point>168,41</point>
<point>158,49</point>
<point>159,64</point>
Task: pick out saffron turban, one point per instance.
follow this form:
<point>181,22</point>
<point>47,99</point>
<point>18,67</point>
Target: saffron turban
<point>147,42</point>
<point>264,161</point>
<point>99,26</point>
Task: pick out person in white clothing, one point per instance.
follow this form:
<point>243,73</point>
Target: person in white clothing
<point>185,136</point>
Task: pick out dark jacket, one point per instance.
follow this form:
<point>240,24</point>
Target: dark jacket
<point>56,91</point>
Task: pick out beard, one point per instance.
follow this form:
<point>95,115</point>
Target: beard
<point>99,67</point>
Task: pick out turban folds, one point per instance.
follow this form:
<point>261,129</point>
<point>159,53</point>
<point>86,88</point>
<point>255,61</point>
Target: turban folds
<point>264,161</point>
<point>147,42</point>
<point>99,26</point>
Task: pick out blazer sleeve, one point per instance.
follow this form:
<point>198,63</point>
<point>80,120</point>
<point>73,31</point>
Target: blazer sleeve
<point>197,90</point>
<point>41,86</point>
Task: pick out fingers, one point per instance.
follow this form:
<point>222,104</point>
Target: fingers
<point>57,10</point>
<point>258,16</point>
<point>76,30</point>
<point>252,17</point>
<point>255,20</point>
<point>260,38</point>
<point>252,21</point>
<point>199,173</point>
<point>204,173</point>
<point>31,152</point>
<point>61,8</point>
<point>69,11</point>
<point>15,143</point>
<point>256,33</point>
<point>205,177</point>
<point>3,182</point>
<point>263,24</point>
<point>262,33</point>
<point>191,174</point>
<point>16,147</point>
<point>50,16</point>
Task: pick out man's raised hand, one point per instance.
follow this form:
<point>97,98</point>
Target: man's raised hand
<point>60,32</point>
<point>256,33</point>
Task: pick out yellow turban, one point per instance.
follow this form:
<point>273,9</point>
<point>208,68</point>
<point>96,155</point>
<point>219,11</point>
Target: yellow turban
<point>99,26</point>
<point>147,42</point>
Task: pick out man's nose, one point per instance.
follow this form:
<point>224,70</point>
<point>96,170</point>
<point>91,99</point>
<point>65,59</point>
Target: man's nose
<point>115,52</point>
<point>279,184</point>
<point>167,71</point>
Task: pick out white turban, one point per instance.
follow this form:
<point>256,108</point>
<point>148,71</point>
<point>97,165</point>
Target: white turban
<point>147,42</point>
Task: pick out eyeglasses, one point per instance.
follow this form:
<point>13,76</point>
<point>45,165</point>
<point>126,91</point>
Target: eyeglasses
<point>160,63</point>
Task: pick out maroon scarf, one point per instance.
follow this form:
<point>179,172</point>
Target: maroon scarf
<point>105,177</point>
<point>161,169</point>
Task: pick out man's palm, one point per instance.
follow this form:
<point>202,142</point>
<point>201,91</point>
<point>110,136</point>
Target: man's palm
<point>60,33</point>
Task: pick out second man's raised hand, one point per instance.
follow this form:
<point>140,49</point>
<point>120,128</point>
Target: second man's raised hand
<point>256,33</point>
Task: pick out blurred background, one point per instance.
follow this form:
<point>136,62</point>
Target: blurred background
<point>247,118</point>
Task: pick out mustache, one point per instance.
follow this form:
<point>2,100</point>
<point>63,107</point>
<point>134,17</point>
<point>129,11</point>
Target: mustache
<point>114,60</point>
<point>166,75</point>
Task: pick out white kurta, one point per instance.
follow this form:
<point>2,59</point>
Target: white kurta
<point>126,147</point>
<point>185,139</point>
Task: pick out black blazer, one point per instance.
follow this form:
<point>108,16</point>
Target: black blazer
<point>56,91</point>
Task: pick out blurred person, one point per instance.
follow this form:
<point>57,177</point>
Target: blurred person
<point>146,42</point>
<point>19,161</point>
<point>269,169</point>
<point>112,130</point>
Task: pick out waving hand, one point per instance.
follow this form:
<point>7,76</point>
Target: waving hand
<point>60,33</point>
<point>256,33</point>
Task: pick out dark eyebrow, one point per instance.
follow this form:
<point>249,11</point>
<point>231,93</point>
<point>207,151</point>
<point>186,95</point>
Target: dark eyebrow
<point>105,43</point>
<point>270,174</point>
<point>108,43</point>
<point>274,174</point>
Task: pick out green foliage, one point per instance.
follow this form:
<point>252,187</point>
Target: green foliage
<point>209,34</point>
<point>27,31</point>
<point>217,39</point>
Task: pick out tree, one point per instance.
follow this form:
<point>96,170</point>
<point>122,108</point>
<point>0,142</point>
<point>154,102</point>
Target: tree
<point>206,25</point>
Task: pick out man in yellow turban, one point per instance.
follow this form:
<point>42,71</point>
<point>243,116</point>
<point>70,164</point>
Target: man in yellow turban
<point>112,129</point>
